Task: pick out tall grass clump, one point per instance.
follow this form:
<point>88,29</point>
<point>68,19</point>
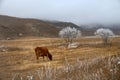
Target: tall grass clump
<point>99,68</point>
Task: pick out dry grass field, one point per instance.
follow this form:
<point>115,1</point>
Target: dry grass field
<point>18,61</point>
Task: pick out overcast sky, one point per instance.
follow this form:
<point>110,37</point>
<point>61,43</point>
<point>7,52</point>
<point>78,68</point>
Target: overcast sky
<point>77,11</point>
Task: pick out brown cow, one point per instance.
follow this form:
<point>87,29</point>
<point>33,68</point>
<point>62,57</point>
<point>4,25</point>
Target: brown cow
<point>41,52</point>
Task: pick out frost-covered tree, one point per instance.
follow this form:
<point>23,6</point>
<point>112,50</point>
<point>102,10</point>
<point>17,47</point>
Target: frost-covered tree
<point>69,34</point>
<point>105,34</point>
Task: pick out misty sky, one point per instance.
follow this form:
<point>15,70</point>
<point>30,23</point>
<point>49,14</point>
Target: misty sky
<point>77,11</point>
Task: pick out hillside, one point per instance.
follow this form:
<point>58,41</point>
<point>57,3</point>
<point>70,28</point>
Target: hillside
<point>12,27</point>
<point>61,25</point>
<point>91,60</point>
<point>88,30</point>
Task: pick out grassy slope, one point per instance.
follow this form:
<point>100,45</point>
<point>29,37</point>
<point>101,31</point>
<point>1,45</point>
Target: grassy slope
<point>20,58</point>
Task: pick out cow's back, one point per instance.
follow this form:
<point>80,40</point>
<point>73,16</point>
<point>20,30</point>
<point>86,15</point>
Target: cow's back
<point>41,51</point>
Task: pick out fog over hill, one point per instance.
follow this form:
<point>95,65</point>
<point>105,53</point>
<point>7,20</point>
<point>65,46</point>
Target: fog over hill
<point>76,11</point>
<point>62,24</point>
<point>13,27</point>
<point>91,28</point>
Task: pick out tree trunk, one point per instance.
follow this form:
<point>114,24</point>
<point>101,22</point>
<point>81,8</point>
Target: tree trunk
<point>105,41</point>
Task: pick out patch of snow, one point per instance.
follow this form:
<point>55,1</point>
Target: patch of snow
<point>119,62</point>
<point>73,45</point>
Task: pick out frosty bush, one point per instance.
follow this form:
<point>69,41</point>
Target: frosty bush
<point>105,34</point>
<point>98,68</point>
<point>69,34</point>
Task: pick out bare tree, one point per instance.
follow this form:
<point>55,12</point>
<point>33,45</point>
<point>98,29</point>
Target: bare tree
<point>69,34</point>
<point>105,34</point>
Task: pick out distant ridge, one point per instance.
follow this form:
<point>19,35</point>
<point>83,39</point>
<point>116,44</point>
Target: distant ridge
<point>13,27</point>
<point>88,30</point>
<point>60,24</point>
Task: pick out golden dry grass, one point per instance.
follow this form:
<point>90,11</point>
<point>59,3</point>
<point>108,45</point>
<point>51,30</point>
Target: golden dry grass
<point>21,58</point>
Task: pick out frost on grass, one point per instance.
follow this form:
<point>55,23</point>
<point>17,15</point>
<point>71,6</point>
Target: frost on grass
<point>4,48</point>
<point>100,68</point>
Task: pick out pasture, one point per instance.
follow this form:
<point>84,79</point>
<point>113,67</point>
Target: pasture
<point>18,60</point>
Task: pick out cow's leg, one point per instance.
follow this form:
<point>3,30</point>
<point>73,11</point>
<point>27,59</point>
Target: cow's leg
<point>37,57</point>
<point>43,58</point>
<point>47,57</point>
